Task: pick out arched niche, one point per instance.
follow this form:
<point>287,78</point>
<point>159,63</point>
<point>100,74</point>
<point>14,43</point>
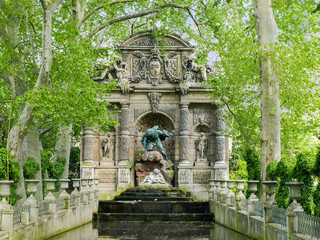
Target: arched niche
<point>148,120</point>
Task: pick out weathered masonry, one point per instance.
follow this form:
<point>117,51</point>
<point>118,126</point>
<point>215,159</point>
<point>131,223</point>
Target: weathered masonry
<point>158,84</point>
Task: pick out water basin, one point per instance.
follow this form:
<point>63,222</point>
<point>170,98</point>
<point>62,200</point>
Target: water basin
<point>122,230</point>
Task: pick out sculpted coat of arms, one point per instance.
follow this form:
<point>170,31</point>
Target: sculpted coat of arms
<point>154,67</point>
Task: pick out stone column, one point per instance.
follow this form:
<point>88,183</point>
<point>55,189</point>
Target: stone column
<point>124,150</point>
<point>124,135</point>
<point>220,167</point>
<point>87,168</point>
<point>184,136</point>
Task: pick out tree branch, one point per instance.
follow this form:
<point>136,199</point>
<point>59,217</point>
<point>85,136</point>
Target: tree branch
<point>100,7</point>
<point>241,126</point>
<point>136,15</point>
<point>45,131</point>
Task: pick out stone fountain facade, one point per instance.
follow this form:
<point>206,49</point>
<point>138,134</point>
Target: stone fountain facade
<point>158,86</point>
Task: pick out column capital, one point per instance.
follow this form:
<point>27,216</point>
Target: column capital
<point>125,105</point>
<point>184,105</point>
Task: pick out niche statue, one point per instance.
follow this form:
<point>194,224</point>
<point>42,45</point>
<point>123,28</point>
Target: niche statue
<point>153,137</point>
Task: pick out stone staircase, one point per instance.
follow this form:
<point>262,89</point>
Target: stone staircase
<point>138,204</point>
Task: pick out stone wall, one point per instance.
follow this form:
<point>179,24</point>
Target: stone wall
<point>261,220</point>
<point>48,218</point>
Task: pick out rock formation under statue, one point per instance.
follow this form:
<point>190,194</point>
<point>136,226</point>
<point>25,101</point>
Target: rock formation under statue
<point>151,167</point>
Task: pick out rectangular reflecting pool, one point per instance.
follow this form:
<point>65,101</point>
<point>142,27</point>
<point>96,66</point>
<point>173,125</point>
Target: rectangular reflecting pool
<point>132,230</point>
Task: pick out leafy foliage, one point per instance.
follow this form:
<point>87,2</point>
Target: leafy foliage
<point>30,168</point>
<point>14,174</point>
<point>74,162</point>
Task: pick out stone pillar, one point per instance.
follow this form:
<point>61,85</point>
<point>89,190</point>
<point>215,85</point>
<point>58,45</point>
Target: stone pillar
<point>220,167</point>
<point>124,166</point>
<point>124,135</point>
<point>87,168</point>
<point>7,220</point>
<point>184,136</point>
<point>34,211</point>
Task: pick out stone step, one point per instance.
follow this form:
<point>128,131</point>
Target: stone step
<point>155,230</point>
<point>153,207</point>
<point>107,217</point>
<point>156,194</point>
<point>150,198</point>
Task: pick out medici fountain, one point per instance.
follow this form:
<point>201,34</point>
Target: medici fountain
<point>170,132</point>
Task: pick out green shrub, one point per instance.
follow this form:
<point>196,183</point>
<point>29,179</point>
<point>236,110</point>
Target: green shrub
<point>303,171</point>
<point>30,168</point>
<point>284,172</point>
<point>14,174</point>
<point>74,163</point>
<point>253,164</point>
<point>316,194</point>
<point>316,199</point>
<point>272,171</point>
<point>51,169</point>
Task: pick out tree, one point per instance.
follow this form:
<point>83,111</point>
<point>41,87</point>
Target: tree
<point>51,62</point>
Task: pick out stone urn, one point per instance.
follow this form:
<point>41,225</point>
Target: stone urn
<point>240,185</point>
<point>5,190</point>
<point>295,194</point>
<point>230,184</point>
<point>223,191</point>
<point>270,190</point>
<point>76,184</point>
<point>50,188</point>
<point>32,186</point>
<point>253,188</point>
<point>64,186</point>
<point>230,194</point>
<point>240,196</point>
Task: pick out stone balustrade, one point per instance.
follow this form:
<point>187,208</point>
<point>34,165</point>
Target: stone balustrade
<point>261,220</point>
<point>35,219</point>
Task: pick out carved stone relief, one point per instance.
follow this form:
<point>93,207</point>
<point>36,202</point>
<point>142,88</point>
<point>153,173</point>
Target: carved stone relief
<point>184,176</point>
<point>151,120</point>
<point>124,176</point>
<point>151,42</point>
<point>107,175</point>
<point>201,177</point>
<point>87,172</point>
<point>139,111</point>
<point>202,116</point>
<point>154,101</point>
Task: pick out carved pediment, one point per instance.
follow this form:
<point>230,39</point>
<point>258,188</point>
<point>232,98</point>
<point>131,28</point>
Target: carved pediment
<point>144,39</point>
<point>154,61</point>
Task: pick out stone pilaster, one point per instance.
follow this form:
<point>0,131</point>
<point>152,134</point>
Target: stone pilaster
<point>87,168</point>
<point>124,166</point>
<point>220,167</point>
<point>124,135</point>
<point>184,136</point>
